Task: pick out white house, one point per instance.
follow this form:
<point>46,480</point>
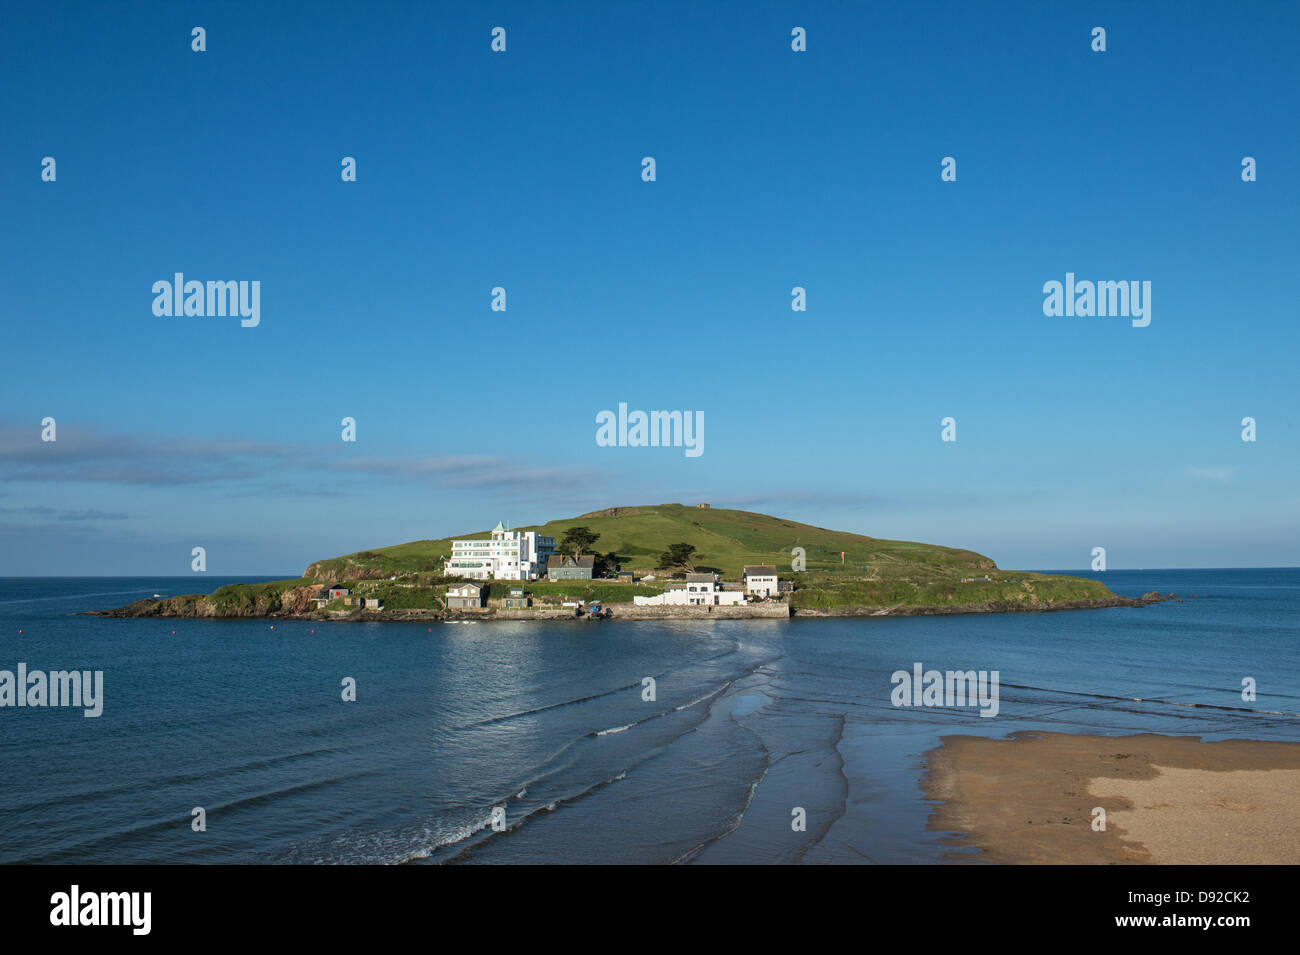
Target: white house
<point>700,590</point>
<point>506,555</point>
<point>761,579</point>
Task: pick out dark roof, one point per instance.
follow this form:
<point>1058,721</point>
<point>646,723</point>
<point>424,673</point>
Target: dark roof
<point>567,560</point>
<point>760,570</point>
<point>700,578</point>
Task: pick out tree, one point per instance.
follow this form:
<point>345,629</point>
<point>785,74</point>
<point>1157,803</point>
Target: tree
<point>576,540</point>
<point>677,555</point>
<point>606,565</point>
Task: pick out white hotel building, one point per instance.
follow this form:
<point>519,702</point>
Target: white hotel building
<point>506,555</point>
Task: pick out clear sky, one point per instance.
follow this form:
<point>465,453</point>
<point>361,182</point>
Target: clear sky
<point>522,169</point>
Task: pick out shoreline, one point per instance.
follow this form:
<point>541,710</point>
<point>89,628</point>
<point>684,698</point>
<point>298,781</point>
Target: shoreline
<point>1032,798</point>
<point>764,611</point>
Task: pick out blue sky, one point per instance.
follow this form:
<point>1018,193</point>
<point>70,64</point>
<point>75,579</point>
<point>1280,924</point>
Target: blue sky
<point>522,170</point>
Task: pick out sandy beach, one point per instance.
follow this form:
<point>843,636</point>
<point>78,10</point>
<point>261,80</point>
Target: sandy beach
<point>1167,799</point>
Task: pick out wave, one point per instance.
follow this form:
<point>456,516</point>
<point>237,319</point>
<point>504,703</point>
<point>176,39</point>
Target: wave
<point>1140,699</point>
<point>120,836</point>
<point>707,696</point>
<point>553,804</point>
<point>519,821</point>
<point>739,816</point>
<point>730,651</point>
<point>549,707</point>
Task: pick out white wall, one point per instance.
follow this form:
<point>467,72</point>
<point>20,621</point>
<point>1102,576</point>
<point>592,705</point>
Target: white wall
<point>705,596</point>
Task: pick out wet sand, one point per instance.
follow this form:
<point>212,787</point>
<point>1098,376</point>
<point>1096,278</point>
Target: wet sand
<point>1168,799</point>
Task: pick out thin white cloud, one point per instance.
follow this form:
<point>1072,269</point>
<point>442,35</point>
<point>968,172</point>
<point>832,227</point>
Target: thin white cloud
<point>1216,475</point>
<point>91,456</point>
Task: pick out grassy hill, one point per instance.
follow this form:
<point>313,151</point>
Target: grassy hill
<point>725,540</point>
<point>872,572</point>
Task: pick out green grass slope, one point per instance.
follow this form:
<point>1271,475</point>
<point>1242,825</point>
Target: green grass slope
<point>872,573</point>
<point>725,540</point>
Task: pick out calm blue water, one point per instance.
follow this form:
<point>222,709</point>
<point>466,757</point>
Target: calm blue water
<point>751,719</point>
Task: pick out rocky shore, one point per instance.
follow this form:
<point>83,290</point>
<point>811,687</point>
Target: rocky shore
<point>204,608</point>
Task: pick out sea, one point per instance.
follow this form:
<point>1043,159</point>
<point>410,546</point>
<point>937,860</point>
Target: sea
<point>624,742</point>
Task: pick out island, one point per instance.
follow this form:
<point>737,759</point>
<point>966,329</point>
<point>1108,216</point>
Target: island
<point>645,562</point>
